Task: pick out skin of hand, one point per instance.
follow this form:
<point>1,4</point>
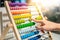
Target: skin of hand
<point>46,25</point>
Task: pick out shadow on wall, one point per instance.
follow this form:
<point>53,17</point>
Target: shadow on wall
<point>53,14</point>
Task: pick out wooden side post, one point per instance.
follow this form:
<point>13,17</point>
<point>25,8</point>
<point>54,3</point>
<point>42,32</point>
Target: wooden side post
<point>5,31</point>
<point>0,22</point>
<point>12,21</point>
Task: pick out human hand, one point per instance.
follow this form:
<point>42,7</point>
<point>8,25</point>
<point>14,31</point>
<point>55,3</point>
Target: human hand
<point>45,25</point>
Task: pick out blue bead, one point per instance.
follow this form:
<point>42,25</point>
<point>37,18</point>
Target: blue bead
<point>35,38</point>
<point>16,1</point>
<point>20,1</point>
<point>12,0</point>
<point>29,34</point>
<point>23,1</point>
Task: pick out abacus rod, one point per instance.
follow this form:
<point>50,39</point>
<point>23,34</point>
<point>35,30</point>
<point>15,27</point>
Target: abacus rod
<point>39,10</point>
<point>12,21</point>
<point>5,14</point>
<point>6,20</point>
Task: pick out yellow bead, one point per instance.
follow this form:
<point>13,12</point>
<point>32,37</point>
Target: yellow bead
<point>22,16</point>
<point>39,17</point>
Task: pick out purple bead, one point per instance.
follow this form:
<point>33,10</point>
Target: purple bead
<point>12,4</point>
<point>22,4</point>
<point>17,4</point>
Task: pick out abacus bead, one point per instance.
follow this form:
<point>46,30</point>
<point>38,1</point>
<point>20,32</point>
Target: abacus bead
<point>25,25</point>
<point>19,21</point>
<point>12,0</point>
<point>39,17</point>
<point>20,12</point>
<point>35,38</point>
<point>29,34</point>
<point>22,16</point>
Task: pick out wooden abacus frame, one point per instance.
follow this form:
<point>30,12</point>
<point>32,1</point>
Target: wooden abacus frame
<point>14,26</point>
<point>0,22</point>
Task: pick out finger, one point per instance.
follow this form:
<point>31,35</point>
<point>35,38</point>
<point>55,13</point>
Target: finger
<point>38,27</point>
<point>38,21</point>
<point>44,28</point>
<point>42,24</point>
<point>45,17</point>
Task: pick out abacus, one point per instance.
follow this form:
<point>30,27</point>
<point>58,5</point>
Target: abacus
<point>20,14</point>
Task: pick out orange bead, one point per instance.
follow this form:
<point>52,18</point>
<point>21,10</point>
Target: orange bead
<point>14,12</point>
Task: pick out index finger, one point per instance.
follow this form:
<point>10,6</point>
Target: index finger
<point>38,21</point>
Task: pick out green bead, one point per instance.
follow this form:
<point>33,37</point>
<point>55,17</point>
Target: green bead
<point>25,25</point>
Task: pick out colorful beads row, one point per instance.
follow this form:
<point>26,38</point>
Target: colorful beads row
<point>18,8</point>
<point>17,4</point>
<point>19,21</point>
<point>15,12</point>
<point>28,30</point>
<point>35,38</point>
<point>25,25</point>
<point>29,34</point>
<point>22,16</point>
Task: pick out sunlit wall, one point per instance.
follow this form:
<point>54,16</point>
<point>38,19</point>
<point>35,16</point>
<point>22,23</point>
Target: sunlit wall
<point>48,3</point>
